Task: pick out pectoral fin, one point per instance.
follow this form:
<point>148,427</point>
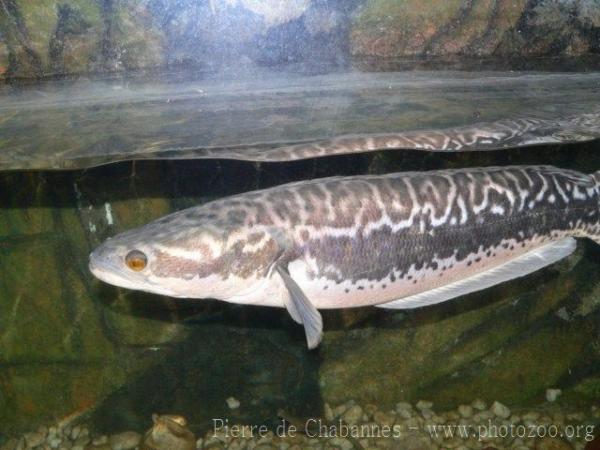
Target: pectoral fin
<point>301,309</point>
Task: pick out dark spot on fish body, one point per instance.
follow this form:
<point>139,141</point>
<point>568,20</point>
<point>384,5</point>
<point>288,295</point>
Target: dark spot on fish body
<point>281,212</point>
<point>236,216</point>
<point>255,238</point>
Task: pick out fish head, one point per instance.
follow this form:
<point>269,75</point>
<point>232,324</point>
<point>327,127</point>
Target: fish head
<point>189,255</point>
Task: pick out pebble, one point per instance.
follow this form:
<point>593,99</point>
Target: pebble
<point>328,412</point>
<point>36,438</point>
<point>54,441</point>
<point>427,413</point>
<point>232,403</point>
<point>383,419</point>
<point>124,441</point>
<point>465,411</point>
<point>353,415</point>
<point>553,394</point>
<point>81,441</point>
<point>404,410</point>
<point>370,409</point>
<point>100,440</point>
<point>75,432</point>
<point>478,404</point>
<point>342,443</point>
<point>531,415</point>
<point>500,410</point>
<point>424,404</point>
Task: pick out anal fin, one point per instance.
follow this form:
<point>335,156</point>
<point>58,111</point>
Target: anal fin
<point>302,310</point>
<point>515,268</point>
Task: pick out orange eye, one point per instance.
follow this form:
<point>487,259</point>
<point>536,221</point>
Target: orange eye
<point>136,260</point>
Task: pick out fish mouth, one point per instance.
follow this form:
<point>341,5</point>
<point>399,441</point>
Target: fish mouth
<point>110,273</point>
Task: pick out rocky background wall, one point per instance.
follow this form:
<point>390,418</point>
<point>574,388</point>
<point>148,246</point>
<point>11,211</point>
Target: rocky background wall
<point>60,37</point>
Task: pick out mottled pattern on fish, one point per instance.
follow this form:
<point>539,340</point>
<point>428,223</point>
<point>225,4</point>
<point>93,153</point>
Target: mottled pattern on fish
<point>371,231</point>
<point>363,240</point>
<point>506,133</point>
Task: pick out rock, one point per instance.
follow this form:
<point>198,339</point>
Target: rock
<point>465,411</point>
<point>100,440</point>
<point>75,432</point>
<point>232,403</point>
<point>427,413</point>
<point>105,446</point>
<point>549,443</point>
<point>353,415</point>
<point>424,404</point>
<point>370,409</point>
<point>124,441</point>
<point>36,438</point>
<point>478,404</point>
<point>328,412</point>
<point>404,410</point>
<point>500,410</point>
<point>553,394</point>
<point>342,443</point>
<point>82,441</point>
<point>531,415</point>
<point>169,432</point>
<point>383,419</point>
<point>54,441</point>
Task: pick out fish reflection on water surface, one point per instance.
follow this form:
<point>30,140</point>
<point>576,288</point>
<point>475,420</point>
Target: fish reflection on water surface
<point>400,240</point>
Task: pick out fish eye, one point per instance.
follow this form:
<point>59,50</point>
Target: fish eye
<point>136,260</point>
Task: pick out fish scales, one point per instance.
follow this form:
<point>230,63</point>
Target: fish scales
<point>362,240</point>
<point>374,231</point>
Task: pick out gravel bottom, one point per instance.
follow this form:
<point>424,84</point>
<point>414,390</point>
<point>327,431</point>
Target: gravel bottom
<point>351,426</point>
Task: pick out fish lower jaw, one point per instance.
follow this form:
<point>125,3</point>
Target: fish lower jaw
<point>123,282</point>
